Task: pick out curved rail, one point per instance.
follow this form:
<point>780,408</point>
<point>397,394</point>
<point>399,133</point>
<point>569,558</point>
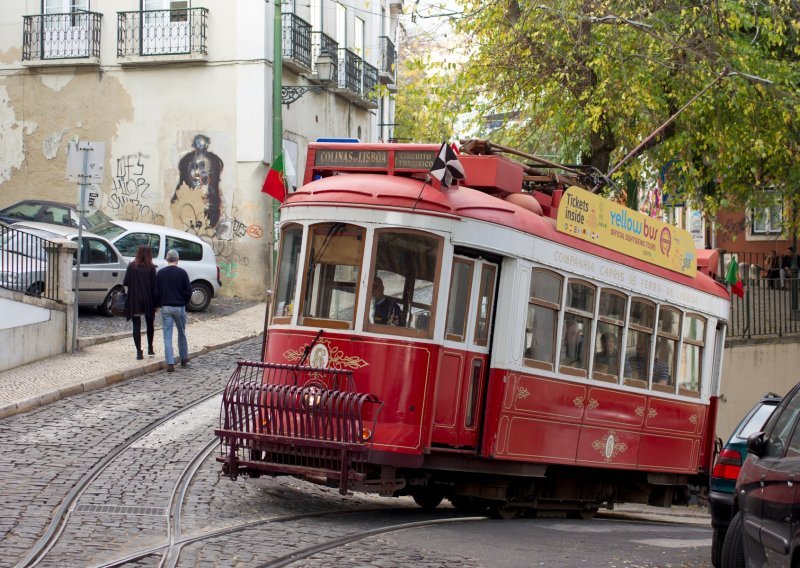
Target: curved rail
<point>51,535</point>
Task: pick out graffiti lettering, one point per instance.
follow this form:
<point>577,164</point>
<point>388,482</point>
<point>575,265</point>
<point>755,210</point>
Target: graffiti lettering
<point>255,231</point>
<point>129,191</point>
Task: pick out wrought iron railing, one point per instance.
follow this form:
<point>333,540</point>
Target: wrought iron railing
<point>350,71</point>
<point>295,420</point>
<point>24,265</point>
<point>73,35</point>
<point>321,42</point>
<point>369,85</point>
<point>388,61</point>
<point>296,39</point>
<point>162,32</point>
<point>771,302</point>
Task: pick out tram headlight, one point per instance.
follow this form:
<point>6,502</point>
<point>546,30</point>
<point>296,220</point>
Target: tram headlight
<point>366,434</point>
<point>312,397</point>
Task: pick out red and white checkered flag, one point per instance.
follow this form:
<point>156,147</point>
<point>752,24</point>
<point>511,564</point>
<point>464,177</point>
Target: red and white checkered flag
<point>446,167</point>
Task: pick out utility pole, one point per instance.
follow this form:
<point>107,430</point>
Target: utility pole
<point>277,118</point>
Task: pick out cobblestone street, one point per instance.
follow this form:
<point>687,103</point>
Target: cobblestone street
<point>91,324</point>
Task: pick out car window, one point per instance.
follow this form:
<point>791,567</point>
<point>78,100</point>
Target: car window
<point>96,251</point>
<point>55,215</point>
<point>756,421</point>
<point>128,245</point>
<point>782,426</point>
<point>187,250</point>
<point>24,211</point>
<point>97,218</point>
<point>108,230</point>
<point>794,443</point>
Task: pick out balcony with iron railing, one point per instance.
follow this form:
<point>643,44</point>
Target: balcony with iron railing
<point>296,43</point>
<point>368,94</point>
<point>350,74</point>
<point>70,38</point>
<point>158,36</point>
<point>387,70</point>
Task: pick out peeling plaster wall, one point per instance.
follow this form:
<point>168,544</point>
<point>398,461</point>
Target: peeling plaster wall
<point>149,116</point>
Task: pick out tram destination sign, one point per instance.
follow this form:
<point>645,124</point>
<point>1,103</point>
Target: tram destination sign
<point>352,159</point>
<point>406,160</point>
<point>594,219</point>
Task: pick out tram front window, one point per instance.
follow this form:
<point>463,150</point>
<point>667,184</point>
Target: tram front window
<point>403,283</point>
<point>331,275</point>
<point>291,238</point>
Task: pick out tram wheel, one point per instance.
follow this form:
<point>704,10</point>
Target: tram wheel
<point>504,512</point>
<point>428,501</point>
<point>585,514</point>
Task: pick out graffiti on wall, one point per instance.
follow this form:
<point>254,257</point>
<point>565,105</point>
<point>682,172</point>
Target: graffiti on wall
<point>131,191</point>
<point>200,171</point>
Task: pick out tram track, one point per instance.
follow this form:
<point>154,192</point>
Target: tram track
<point>57,524</point>
<point>170,551</point>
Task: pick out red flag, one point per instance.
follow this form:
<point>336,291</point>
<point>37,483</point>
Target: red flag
<point>738,289</point>
<point>275,182</point>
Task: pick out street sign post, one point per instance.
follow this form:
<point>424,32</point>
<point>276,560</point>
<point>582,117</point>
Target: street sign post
<point>85,165</point>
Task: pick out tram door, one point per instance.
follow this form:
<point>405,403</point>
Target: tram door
<point>464,360</point>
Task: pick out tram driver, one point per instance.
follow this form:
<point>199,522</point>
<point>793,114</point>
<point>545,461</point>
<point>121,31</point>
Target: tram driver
<point>385,311</point>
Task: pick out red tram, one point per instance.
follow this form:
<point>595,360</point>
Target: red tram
<point>503,349</point>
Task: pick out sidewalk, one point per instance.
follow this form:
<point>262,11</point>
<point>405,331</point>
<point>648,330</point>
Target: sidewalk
<point>99,363</point>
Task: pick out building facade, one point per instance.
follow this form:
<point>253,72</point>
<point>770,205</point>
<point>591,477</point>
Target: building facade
<point>181,93</point>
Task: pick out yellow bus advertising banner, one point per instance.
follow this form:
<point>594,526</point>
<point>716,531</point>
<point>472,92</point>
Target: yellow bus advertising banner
<point>597,220</point>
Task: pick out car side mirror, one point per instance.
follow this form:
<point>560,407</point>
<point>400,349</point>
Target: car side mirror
<point>756,444</point>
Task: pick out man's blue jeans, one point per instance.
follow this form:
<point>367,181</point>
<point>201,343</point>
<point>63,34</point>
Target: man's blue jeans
<point>174,316</point>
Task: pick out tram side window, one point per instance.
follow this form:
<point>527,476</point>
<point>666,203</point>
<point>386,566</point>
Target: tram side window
<point>577,327</point>
<point>694,329</point>
<point>543,306</point>
<point>608,342</point>
<point>666,352</point>
<point>291,239</point>
<point>404,276</point>
<point>638,348</point>
<point>332,270</point>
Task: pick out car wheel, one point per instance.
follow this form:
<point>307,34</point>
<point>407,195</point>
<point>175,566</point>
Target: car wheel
<point>35,289</point>
<point>717,540</point>
<point>201,297</point>
<point>104,309</point>
<point>733,548</point>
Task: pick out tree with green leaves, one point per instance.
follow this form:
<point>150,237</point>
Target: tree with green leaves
<point>596,80</point>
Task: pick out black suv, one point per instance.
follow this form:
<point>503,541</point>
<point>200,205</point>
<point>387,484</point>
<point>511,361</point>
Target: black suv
<point>765,531</point>
<point>727,468</point>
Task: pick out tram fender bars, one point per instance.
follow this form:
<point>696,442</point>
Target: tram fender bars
<point>295,420</point>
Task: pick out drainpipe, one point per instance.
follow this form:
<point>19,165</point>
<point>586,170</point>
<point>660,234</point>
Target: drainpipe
<point>277,119</point>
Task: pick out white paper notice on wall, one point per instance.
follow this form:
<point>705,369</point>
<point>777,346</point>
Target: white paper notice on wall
<point>94,155</point>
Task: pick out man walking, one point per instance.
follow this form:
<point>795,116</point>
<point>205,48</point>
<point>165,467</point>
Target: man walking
<point>173,292</point>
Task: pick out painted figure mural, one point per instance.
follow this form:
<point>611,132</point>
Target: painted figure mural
<point>201,170</point>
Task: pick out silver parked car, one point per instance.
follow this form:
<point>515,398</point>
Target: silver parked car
<point>197,258</point>
<point>23,263</point>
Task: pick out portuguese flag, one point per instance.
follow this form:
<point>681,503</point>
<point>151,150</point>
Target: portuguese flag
<point>732,278</point>
<point>275,182</point>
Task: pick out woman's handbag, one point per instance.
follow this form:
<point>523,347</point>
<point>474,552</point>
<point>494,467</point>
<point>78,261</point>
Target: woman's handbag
<point>118,307</point>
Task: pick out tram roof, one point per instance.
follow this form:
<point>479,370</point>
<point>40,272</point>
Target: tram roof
<point>379,191</point>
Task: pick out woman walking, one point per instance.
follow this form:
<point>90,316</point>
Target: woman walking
<point>140,280</point>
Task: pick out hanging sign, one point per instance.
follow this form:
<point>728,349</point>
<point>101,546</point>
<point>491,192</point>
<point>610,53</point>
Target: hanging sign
<point>597,220</point>
<point>85,161</point>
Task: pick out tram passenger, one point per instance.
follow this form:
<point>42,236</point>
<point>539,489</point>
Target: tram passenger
<point>385,310</point>
<point>607,359</point>
<point>661,366</point>
<point>639,363</point>
<point>572,345</point>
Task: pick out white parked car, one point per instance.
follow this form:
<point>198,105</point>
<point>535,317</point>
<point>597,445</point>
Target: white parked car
<point>23,263</point>
<point>196,256</point>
